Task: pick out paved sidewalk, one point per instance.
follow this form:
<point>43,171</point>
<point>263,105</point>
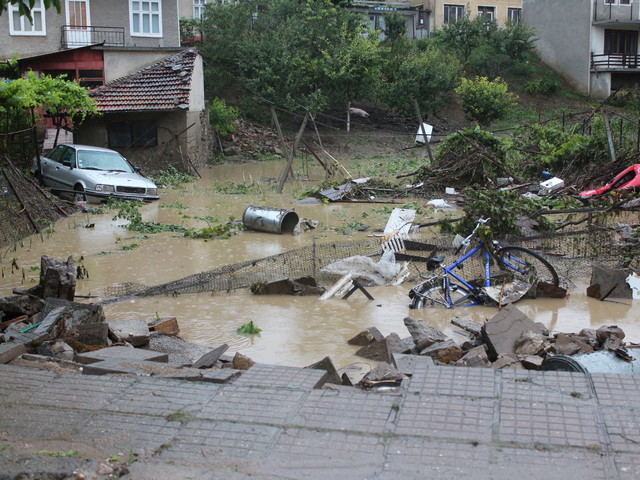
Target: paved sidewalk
<point>271,423</point>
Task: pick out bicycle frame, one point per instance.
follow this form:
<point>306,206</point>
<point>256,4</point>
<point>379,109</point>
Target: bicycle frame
<point>448,270</point>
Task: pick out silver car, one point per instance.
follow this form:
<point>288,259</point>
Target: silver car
<point>92,173</point>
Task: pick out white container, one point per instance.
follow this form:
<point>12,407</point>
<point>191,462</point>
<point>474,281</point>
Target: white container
<point>551,185</point>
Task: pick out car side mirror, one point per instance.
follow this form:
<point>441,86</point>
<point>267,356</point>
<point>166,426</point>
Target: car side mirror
<point>137,169</point>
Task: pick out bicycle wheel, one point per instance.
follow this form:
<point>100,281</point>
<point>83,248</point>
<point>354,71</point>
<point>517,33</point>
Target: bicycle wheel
<point>434,294</point>
<point>527,265</point>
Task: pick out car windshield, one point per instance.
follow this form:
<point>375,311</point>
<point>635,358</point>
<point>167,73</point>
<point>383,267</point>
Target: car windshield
<point>96,160</point>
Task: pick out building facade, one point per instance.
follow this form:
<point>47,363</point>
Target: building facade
<point>98,43</point>
<point>592,43</point>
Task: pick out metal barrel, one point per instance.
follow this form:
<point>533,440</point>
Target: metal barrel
<point>602,361</point>
<point>268,219</point>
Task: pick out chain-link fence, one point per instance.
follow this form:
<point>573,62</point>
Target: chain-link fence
<point>566,250</point>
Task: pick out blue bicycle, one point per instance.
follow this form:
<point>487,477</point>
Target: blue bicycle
<point>509,272</point>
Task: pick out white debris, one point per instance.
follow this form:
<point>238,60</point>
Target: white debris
<point>438,203</point>
<point>379,273</point>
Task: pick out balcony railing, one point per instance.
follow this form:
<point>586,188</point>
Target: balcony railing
<point>617,11</point>
<point>617,61</point>
<point>75,36</point>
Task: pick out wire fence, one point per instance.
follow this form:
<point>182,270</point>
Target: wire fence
<point>564,250</point>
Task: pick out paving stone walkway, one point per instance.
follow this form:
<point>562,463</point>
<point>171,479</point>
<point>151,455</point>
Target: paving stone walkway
<point>273,423</point>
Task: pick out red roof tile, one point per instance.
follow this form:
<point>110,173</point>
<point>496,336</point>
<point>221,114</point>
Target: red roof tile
<point>159,87</point>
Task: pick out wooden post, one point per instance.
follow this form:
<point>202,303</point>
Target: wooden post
<point>424,134</point>
<point>348,116</point>
<point>283,144</point>
<point>292,153</point>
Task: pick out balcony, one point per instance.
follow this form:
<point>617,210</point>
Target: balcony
<point>615,12</point>
<point>76,36</point>
<point>615,62</point>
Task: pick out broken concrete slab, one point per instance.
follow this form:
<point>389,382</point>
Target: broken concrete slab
<point>502,332</point>
<point>383,374</point>
<point>610,337</point>
<point>11,350</point>
<point>49,322</point>
<point>332,373</point>
<point>17,305</point>
<point>407,363</point>
<point>532,362</point>
<point>135,332</point>
<point>469,326</point>
<point>508,360</point>
<point>423,334</point>
<point>209,359</point>
<point>58,349</point>
<point>124,353</point>
<point>548,290</point>
<point>530,343</point>
<point>75,313</point>
<point>612,281</point>
<point>476,357</point>
<point>93,334</point>
<point>168,326</point>
<point>445,352</point>
<point>383,350</point>
<point>566,344</point>
<point>366,337</point>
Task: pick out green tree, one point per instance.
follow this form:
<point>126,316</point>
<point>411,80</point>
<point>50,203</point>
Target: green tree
<point>288,68</point>
<point>57,97</point>
<point>25,6</point>
<point>395,26</point>
<point>426,76</point>
<point>485,101</point>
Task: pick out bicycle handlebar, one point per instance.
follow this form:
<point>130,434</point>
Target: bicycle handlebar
<point>465,243</point>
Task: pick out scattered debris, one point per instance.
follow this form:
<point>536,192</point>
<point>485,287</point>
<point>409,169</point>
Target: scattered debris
<point>286,286</point>
<point>551,186</point>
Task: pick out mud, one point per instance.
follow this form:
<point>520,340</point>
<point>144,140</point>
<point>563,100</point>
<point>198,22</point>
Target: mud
<point>296,331</point>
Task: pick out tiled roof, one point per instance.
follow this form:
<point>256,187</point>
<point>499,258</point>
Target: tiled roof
<point>159,87</point>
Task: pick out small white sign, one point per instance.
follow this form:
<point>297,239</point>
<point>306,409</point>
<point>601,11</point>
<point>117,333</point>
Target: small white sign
<point>420,136</point>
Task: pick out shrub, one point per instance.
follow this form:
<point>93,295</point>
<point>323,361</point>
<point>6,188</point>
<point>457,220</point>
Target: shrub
<point>222,118</point>
<point>485,101</point>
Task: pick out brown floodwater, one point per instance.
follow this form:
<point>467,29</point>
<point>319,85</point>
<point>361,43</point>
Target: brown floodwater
<point>296,331</point>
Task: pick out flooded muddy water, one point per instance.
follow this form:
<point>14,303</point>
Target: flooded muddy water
<point>296,331</point>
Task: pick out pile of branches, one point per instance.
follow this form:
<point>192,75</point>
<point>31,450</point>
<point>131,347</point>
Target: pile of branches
<point>466,158</point>
<point>25,208</point>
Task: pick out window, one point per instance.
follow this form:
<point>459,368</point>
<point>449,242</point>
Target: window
<point>618,42</point>
<point>20,25</point>
<point>625,2</point>
<point>146,18</point>
<point>514,15</point>
<point>198,8</point>
<point>487,12</point>
<point>453,13</point>
<point>132,134</point>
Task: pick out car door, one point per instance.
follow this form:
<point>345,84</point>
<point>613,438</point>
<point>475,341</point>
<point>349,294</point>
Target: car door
<point>58,166</point>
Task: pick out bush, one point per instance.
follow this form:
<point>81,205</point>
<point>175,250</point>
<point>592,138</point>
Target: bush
<point>485,101</point>
<point>222,118</point>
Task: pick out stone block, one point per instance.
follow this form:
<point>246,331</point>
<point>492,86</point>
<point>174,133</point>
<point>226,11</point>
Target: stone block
<point>531,362</point>
<point>93,333</point>
<point>168,326</point>
<point>612,281</point>
<point>126,353</point>
<point>135,332</point>
<point>209,359</point>
<point>366,337</point>
<point>445,352</point>
<point>508,360</point>
<point>242,362</point>
<point>502,332</point>
<point>571,344</point>
<point>476,357</point>
<point>548,290</point>
<point>408,363</point>
<point>470,326</point>
<point>382,350</point>
<point>530,343</point>
<point>423,334</point>
<point>21,305</point>
<point>327,365</point>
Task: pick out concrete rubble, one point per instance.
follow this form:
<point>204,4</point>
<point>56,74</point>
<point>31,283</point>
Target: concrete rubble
<point>507,340</point>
